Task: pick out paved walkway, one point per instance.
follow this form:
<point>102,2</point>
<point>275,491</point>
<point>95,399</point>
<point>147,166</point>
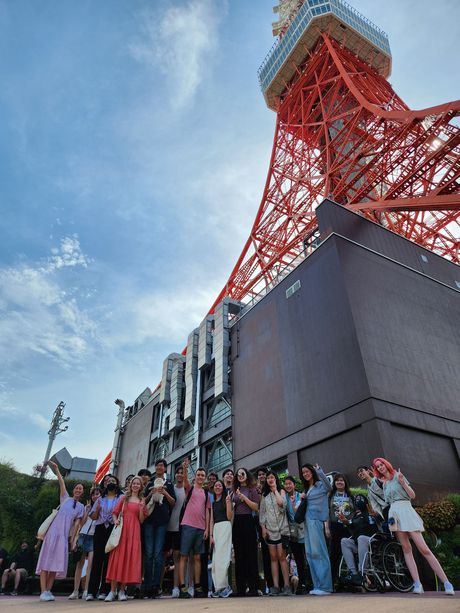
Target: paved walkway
<point>431,602</point>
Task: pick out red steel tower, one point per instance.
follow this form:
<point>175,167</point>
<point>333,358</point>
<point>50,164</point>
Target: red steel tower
<point>343,132</point>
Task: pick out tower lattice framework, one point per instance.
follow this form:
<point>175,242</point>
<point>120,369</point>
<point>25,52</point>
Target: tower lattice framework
<point>343,132</point>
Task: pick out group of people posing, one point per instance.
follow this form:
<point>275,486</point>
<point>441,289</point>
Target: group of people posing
<point>304,527</point>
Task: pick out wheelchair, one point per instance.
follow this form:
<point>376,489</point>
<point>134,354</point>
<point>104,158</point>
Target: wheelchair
<point>384,567</point>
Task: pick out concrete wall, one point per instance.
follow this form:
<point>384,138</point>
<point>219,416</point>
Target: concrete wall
<point>363,360</point>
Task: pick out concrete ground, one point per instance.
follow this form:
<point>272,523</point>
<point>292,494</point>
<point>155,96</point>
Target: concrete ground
<point>430,602</point>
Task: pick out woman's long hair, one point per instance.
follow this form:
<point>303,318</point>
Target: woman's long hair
<point>249,479</point>
<point>129,489</point>
<point>388,466</point>
<point>266,489</point>
<point>312,469</point>
<point>334,487</point>
<point>222,500</point>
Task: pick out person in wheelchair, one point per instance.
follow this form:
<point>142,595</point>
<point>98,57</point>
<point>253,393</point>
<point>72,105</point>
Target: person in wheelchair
<point>362,527</point>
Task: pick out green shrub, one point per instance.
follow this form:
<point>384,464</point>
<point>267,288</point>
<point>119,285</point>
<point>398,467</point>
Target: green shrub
<point>438,516</point>
<point>455,499</point>
<point>448,553</point>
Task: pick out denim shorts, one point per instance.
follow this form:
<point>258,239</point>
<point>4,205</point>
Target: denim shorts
<point>191,540</point>
<point>85,541</point>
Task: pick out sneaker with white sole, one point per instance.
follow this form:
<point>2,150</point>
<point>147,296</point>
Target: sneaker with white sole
<point>418,588</point>
<point>175,593</point>
<point>84,595</point>
<point>101,596</point>
<point>50,596</point>
<point>110,597</point>
<point>74,595</point>
<point>226,592</point>
<point>44,597</point>
<point>448,588</point>
<point>89,597</point>
<point>320,593</point>
<point>122,595</point>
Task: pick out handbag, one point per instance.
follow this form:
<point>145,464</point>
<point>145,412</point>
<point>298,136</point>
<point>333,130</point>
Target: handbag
<point>115,535</point>
<point>44,526</point>
<point>114,538</point>
<point>299,516</point>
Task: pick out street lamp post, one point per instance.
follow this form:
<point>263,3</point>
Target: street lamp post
<point>55,429</point>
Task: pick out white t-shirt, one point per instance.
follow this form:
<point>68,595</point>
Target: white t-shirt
<point>173,525</point>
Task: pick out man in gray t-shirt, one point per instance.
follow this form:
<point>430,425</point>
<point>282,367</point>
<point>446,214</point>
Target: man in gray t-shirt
<point>172,541</point>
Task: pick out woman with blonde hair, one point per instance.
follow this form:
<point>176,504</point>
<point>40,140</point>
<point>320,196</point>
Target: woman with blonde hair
<point>125,561</point>
<point>406,523</point>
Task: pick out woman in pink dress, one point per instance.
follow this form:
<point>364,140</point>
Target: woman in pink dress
<point>54,552</point>
<point>125,562</point>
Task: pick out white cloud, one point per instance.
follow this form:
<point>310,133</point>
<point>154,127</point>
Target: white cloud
<point>37,314</point>
<point>69,254</point>
<point>160,315</point>
<point>179,43</point>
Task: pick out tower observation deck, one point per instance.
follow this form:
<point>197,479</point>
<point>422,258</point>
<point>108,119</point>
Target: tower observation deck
<point>341,21</point>
<point>342,132</point>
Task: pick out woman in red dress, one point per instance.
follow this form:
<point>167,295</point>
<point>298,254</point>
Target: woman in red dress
<point>125,562</point>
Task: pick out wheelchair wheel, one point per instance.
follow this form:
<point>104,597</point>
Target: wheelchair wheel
<point>395,567</point>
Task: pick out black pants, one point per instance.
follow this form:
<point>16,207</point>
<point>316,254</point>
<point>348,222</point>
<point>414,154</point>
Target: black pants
<point>265,560</point>
<point>338,532</point>
<point>100,560</point>
<point>245,546</point>
<point>298,551</point>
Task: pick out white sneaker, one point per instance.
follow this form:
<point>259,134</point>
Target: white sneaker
<point>175,593</point>
<point>50,596</point>
<point>417,589</point>
<point>101,596</point>
<point>45,597</point>
<point>84,595</point>
<point>320,593</point>
<point>74,595</point>
<point>448,588</point>
<point>122,595</point>
<point>191,591</point>
<point>89,597</point>
<point>110,597</point>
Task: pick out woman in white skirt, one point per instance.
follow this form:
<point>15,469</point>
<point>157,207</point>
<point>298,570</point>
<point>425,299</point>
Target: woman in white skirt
<point>406,523</point>
<point>221,539</point>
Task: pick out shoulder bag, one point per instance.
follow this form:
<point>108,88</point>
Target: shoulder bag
<point>115,535</point>
<point>44,527</point>
<point>301,512</point>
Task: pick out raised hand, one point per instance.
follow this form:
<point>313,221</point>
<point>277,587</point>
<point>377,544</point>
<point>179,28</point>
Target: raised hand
<point>400,477</point>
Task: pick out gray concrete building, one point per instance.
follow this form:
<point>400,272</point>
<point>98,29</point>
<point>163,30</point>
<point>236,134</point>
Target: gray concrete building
<point>354,352</point>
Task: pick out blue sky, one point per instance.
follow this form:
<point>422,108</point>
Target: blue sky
<point>134,145</point>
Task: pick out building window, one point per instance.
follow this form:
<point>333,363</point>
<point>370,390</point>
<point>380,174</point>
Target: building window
<point>219,454</point>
